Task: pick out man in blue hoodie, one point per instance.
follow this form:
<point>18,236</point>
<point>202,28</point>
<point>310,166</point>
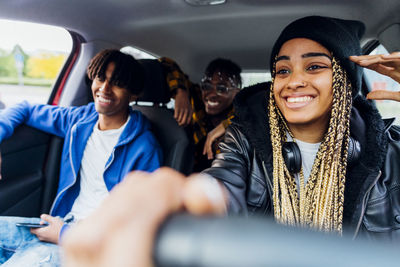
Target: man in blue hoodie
<point>103,141</point>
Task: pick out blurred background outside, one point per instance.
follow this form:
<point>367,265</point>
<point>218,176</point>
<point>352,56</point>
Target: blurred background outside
<point>31,56</point>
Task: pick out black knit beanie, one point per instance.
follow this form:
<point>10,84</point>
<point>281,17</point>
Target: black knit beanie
<point>341,37</point>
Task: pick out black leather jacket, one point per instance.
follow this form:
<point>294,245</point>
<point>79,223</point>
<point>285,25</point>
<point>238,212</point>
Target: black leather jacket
<point>372,189</point>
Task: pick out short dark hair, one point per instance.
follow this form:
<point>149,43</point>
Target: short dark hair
<point>128,72</point>
<point>225,66</point>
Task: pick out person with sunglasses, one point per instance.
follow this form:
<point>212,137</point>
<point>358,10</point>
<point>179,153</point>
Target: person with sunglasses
<point>207,106</point>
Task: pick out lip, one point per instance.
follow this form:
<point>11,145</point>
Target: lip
<point>298,101</point>
<point>103,100</point>
<point>211,103</point>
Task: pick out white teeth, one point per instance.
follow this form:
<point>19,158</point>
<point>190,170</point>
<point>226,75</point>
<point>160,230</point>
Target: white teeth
<point>104,100</point>
<point>299,99</point>
<point>211,103</point>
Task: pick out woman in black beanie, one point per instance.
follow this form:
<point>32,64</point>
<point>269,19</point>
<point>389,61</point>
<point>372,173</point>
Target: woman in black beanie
<point>309,150</point>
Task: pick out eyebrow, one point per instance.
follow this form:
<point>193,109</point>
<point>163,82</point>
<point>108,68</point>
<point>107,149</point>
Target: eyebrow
<point>308,55</point>
<point>282,58</point>
<point>316,54</point>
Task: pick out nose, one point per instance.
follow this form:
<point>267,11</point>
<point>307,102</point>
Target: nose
<point>296,80</point>
<point>105,87</point>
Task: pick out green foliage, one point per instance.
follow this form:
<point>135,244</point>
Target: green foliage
<point>7,65</point>
<point>43,67</point>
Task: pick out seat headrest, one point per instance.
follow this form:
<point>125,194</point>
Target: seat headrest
<point>155,86</point>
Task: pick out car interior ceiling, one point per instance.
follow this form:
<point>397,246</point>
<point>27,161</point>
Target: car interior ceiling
<point>194,35</point>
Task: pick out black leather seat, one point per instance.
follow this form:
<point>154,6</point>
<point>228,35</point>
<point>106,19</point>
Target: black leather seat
<point>177,149</point>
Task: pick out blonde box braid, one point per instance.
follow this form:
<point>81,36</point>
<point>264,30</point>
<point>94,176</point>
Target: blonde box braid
<point>319,204</point>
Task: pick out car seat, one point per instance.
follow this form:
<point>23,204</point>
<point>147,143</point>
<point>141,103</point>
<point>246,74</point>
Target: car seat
<point>177,149</point>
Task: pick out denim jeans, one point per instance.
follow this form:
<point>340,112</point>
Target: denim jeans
<point>20,248</point>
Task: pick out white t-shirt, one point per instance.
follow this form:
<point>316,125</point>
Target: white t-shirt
<point>93,189</point>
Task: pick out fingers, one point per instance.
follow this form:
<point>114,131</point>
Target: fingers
<point>47,218</point>
<point>367,60</point>
<point>185,117</point>
<point>204,195</point>
<point>207,150</point>
<point>388,65</point>
<point>394,55</point>
<point>183,109</point>
<point>183,114</point>
<point>121,232</point>
<point>179,114</point>
<point>384,95</point>
<point>211,137</point>
<point>210,154</point>
<point>128,218</point>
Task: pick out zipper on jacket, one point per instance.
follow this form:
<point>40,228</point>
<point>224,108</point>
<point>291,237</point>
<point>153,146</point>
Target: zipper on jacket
<point>73,171</point>
<point>268,181</point>
<point>363,205</point>
<point>266,175</point>
<point>122,143</point>
<point>112,159</point>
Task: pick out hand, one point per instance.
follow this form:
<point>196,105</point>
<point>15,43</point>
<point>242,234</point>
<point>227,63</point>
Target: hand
<point>211,137</point>
<point>121,232</point>
<point>388,65</point>
<point>183,109</point>
<point>49,233</point>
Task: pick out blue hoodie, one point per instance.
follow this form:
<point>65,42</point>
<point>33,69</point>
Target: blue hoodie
<point>137,148</point>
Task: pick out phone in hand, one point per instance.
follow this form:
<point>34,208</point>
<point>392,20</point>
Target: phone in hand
<point>32,225</point>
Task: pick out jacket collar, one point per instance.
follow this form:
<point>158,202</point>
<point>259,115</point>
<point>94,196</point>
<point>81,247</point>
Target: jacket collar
<point>82,130</point>
<point>136,125</point>
<point>367,126</point>
<point>251,105</point>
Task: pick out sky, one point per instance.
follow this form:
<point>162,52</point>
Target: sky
<point>32,37</point>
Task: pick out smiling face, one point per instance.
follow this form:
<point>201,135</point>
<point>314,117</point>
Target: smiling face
<point>214,98</point>
<point>303,84</point>
<point>111,101</point>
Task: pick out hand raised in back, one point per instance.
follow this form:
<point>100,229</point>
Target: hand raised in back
<point>183,109</point>
<point>211,137</point>
<point>388,65</point>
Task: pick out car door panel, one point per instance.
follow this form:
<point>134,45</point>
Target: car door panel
<point>23,162</point>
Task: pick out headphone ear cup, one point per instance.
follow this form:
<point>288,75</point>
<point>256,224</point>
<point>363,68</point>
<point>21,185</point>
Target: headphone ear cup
<point>353,152</point>
<point>292,156</point>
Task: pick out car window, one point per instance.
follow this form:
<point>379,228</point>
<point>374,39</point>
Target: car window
<point>376,81</point>
<point>31,56</point>
<point>251,78</point>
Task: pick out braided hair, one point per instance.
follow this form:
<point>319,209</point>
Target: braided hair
<point>128,72</point>
<point>319,204</point>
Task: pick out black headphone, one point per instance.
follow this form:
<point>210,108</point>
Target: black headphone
<point>292,156</point>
